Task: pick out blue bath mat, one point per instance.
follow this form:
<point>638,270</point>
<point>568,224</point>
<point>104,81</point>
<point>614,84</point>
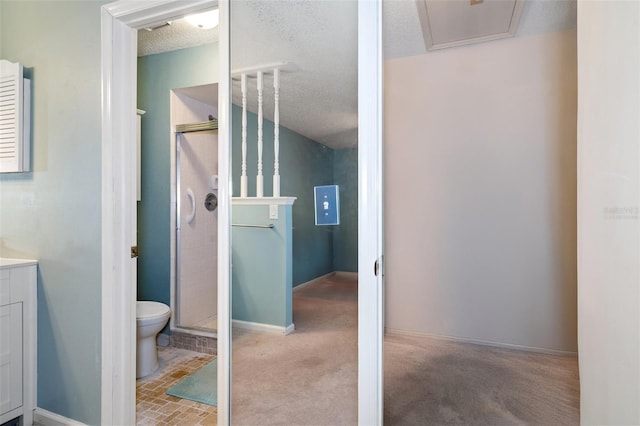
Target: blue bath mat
<point>201,386</point>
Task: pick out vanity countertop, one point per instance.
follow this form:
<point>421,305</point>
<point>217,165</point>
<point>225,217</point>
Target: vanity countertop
<point>15,263</point>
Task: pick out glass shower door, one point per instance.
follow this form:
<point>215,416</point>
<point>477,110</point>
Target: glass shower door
<point>196,260</point>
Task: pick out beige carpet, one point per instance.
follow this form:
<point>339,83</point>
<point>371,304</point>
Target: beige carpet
<point>310,376</point>
<point>429,381</point>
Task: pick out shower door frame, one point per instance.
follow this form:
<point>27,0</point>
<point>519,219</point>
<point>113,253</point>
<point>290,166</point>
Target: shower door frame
<point>176,323</point>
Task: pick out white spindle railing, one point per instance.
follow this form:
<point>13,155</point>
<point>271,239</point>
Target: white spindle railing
<point>259,178</point>
<point>276,132</point>
<point>243,178</point>
<point>259,73</point>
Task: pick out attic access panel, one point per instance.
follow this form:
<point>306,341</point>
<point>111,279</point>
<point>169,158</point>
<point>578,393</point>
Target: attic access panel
<point>456,23</point>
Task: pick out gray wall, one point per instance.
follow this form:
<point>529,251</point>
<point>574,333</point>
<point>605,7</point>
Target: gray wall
<point>157,76</point>
<point>480,192</point>
<point>53,214</point>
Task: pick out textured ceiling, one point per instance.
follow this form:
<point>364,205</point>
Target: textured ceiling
<point>319,100</point>
<point>179,35</point>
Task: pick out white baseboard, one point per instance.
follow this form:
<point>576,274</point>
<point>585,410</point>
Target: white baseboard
<point>264,328</point>
<point>47,418</point>
<point>315,280</point>
<point>322,277</point>
<point>546,351</point>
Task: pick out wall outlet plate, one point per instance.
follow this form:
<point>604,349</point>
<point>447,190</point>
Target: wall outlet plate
<point>273,211</point>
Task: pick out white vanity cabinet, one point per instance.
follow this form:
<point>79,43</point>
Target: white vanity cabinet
<point>17,339</point>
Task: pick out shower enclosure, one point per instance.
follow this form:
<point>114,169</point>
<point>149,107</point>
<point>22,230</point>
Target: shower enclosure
<point>194,295</point>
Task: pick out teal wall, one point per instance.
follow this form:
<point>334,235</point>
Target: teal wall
<point>262,267</point>
<point>345,236</point>
<point>53,213</point>
<point>157,76</point>
<point>303,165</point>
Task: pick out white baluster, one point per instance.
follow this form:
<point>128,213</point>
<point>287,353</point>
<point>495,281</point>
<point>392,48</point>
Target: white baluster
<point>259,178</point>
<point>243,178</point>
<point>276,132</point>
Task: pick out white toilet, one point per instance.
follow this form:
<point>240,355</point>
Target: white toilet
<point>151,317</point>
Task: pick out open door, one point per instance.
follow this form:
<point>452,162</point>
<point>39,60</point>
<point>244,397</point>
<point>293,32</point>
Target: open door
<point>370,220</point>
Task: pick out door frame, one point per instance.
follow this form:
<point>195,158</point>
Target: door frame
<point>370,214</point>
<point>119,24</point>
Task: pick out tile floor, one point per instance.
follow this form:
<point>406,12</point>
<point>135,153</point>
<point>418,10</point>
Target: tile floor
<point>155,407</point>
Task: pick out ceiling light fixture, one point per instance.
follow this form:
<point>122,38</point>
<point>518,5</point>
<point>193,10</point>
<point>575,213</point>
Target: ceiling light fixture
<point>166,24</point>
<point>204,20</point>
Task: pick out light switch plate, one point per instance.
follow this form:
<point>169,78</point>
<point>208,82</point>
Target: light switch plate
<point>273,211</point>
<point>327,202</point>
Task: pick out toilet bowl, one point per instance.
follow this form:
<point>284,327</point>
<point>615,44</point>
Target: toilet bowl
<point>151,317</point>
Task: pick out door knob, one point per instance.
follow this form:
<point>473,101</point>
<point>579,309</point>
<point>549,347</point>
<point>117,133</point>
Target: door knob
<point>211,202</point>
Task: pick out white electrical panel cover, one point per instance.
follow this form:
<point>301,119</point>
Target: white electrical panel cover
<point>15,109</point>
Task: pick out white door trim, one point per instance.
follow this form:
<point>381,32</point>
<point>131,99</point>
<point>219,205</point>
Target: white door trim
<point>224,216</point>
<point>119,22</point>
<point>370,220</point>
<point>118,293</point>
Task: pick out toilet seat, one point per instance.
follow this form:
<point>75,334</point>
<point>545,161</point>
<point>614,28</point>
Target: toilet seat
<point>147,311</point>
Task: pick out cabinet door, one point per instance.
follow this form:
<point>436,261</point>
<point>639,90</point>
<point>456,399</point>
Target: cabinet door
<point>10,357</point>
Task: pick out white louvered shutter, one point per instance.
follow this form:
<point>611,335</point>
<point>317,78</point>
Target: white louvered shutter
<point>14,118</point>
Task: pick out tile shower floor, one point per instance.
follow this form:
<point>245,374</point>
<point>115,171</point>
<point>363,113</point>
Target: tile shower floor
<point>155,407</point>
